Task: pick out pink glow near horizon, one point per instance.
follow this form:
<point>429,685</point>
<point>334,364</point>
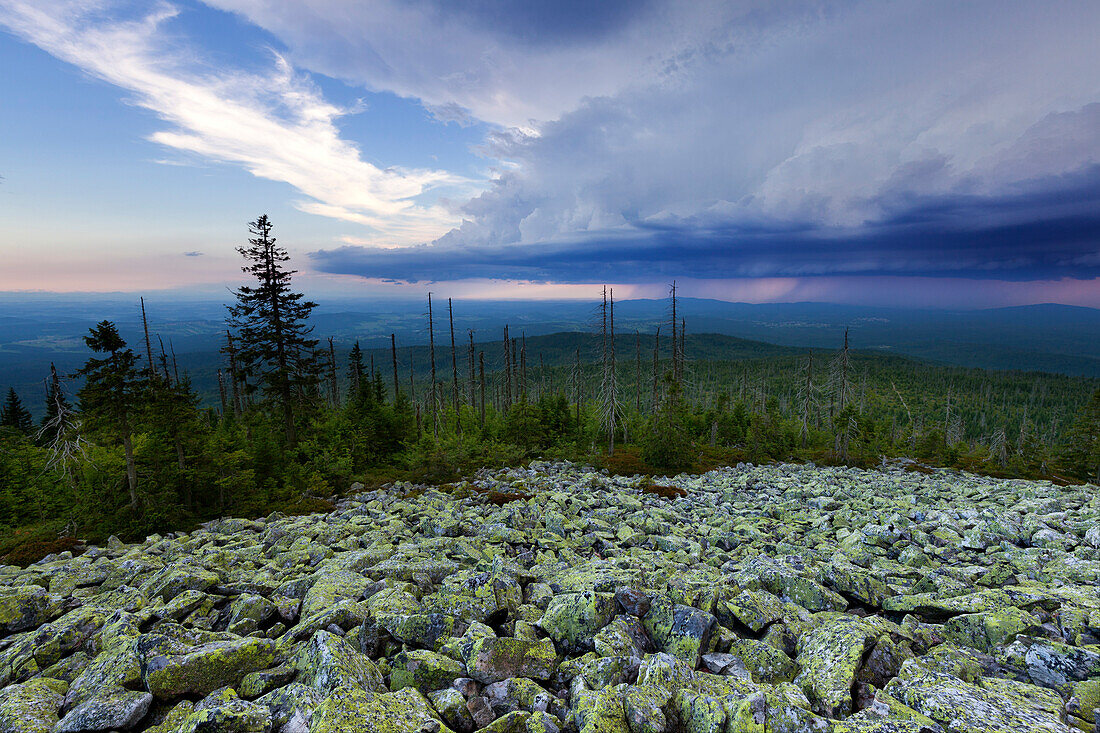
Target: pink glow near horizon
<point>200,274</point>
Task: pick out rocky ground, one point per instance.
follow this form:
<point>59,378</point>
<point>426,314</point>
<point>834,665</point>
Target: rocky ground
<point>770,599</point>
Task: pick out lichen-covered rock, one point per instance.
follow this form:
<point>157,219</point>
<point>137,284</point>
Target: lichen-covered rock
<point>594,604</point>
<point>172,666</point>
<point>679,630</point>
<point>31,707</point>
<point>515,694</point>
<point>754,609</point>
<point>118,666</point>
<point>989,629</point>
<point>599,712</point>
<point>763,661</point>
<point>248,612</point>
<point>353,710</point>
<point>174,718</point>
<point>26,607</point>
<point>181,606</point>
<point>1052,664</point>
<point>451,706</point>
<point>172,581</point>
<point>573,619</point>
<point>624,636</point>
<point>327,662</point>
<point>493,659</point>
<point>964,708</point>
<point>291,707</point>
<point>109,709</point>
<point>861,585</point>
<point>328,589</point>
<point>224,712</point>
<point>644,708</point>
<point>419,629</point>
<point>424,670</point>
<point>664,671</point>
<point>829,656</point>
<point>255,684</point>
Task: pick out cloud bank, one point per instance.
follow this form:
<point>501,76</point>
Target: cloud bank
<point>734,139</point>
<point>639,141</point>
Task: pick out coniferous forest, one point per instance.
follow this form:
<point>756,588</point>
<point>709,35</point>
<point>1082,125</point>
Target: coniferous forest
<point>128,447</point>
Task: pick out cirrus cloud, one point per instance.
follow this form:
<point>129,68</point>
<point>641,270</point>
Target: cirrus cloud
<point>276,124</point>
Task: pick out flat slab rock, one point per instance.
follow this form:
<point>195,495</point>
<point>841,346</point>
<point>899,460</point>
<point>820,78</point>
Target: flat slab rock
<point>751,598</point>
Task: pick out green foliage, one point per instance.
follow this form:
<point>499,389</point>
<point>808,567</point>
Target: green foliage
<point>111,383</point>
<point>1081,452</point>
<point>546,424</point>
<point>666,443</point>
<point>14,415</point>
<point>295,449</point>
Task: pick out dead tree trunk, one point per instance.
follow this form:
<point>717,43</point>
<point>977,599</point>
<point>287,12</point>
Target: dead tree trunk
<point>231,350</point>
<point>507,371</point>
<point>807,399</point>
<point>473,389</point>
<point>481,365</point>
<point>431,348</point>
<point>656,361</point>
<point>333,386</point>
<point>148,344</point>
<point>221,392</point>
<point>393,355</point>
<point>454,369</point>
<point>523,370</point>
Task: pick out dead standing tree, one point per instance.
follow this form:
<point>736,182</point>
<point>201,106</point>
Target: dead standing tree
<point>840,378</point>
<point>454,369</point>
<point>807,398</point>
<point>431,349</point>
<point>609,407</point>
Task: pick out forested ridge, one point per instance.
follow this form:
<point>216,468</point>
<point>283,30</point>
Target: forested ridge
<point>128,447</point>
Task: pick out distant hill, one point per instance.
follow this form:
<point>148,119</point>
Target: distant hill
<point>36,329</point>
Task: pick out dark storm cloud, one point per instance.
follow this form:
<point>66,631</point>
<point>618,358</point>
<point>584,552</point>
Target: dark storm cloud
<point>1049,230</point>
<point>737,138</point>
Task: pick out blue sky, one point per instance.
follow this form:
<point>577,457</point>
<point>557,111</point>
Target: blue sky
<point>932,153</point>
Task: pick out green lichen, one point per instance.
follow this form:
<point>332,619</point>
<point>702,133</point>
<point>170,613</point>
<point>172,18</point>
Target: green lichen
<point>492,659</point>
<point>351,710</point>
<point>424,670</point>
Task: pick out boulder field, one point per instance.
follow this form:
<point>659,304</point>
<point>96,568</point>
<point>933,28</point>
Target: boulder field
<point>553,598</point>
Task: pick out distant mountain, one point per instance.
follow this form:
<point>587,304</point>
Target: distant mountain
<point>36,329</point>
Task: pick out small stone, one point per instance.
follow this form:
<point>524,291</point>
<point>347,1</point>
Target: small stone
<point>481,711</point>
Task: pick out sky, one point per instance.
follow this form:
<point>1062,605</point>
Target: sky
<point>885,152</point>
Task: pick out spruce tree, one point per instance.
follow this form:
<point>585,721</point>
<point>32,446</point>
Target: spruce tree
<point>110,396</point>
<point>271,323</point>
<point>14,415</point>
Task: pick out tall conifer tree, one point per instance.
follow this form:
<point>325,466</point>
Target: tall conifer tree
<point>111,392</point>
<point>272,323</point>
<point>14,415</point>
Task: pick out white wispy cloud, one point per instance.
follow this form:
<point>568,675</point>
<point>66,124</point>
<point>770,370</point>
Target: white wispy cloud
<point>275,124</point>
